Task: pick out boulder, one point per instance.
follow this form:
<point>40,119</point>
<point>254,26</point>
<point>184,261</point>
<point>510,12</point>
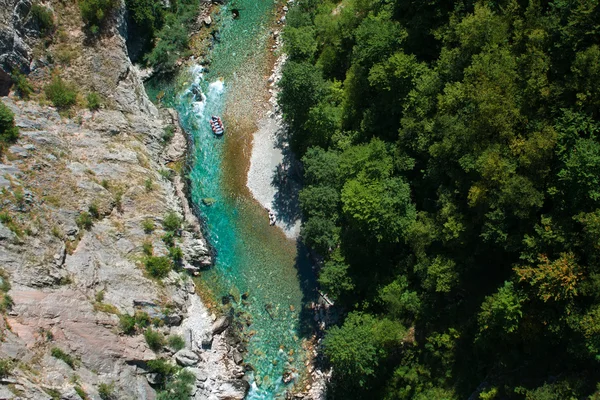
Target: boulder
<point>186,358</point>
<point>220,325</point>
<point>6,234</point>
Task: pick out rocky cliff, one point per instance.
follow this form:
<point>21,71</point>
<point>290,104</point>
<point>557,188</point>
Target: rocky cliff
<point>72,281</point>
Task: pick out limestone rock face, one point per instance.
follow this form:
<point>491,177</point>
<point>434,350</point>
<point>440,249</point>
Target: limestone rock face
<point>71,280</point>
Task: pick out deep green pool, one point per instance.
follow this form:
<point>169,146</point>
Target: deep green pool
<point>252,257</point>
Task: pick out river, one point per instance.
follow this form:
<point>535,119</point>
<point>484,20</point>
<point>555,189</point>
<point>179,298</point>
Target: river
<point>256,266</point>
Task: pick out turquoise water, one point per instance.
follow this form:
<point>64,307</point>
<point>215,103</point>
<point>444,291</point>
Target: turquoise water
<point>253,259</point>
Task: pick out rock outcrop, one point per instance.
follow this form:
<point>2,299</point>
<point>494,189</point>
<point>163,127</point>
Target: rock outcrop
<point>72,279</point>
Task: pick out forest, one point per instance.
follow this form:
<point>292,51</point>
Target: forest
<point>451,161</point>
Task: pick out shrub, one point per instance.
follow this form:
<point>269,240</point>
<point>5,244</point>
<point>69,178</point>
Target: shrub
<point>100,296</point>
<point>6,367</point>
<point>43,17</point>
<point>61,93</point>
<point>148,185</point>
<point>7,303</point>
<point>154,339</point>
<point>175,253</point>
<point>147,248</point>
<point>107,391</point>
<point>168,133</point>
<point>93,101</point>
<point>22,85</point>
<point>158,267</point>
<point>165,173</point>
<point>169,239</point>
<point>163,369</point>
<point>171,222</point>
<point>148,225</point>
<point>105,184</point>
<point>61,355</point>
<point>127,324</point>
<point>8,131</point>
<point>142,319</point>
<point>176,342</point>
<point>93,210</point>
<point>94,13</point>
<point>84,221</point>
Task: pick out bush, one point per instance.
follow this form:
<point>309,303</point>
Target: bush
<point>81,393</point>
<point>22,85</point>
<point>61,355</point>
<point>107,391</point>
<point>148,185</point>
<point>171,222</point>
<point>176,342</point>
<point>158,267</point>
<point>148,225</point>
<point>93,101</point>
<point>6,367</point>
<point>127,324</point>
<point>93,210</point>
<point>7,303</point>
<point>163,369</point>
<point>147,248</point>
<point>94,13</point>
<point>61,93</point>
<point>169,239</point>
<point>154,339</point>
<point>142,319</point>
<point>168,133</point>
<point>8,131</point>
<point>175,253</point>
<point>44,18</point>
<point>84,221</point>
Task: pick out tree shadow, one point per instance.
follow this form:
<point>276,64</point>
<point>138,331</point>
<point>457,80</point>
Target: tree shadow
<point>287,180</point>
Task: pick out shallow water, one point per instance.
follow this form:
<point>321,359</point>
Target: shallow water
<point>254,260</point>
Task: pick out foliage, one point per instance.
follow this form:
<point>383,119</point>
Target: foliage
<point>148,225</point>
<point>6,367</point>
<point>44,18</point>
<point>155,339</point>
<point>22,84</point>
<point>84,220</point>
<point>127,323</point>
<point>8,131</point>
<point>451,184</point>
<point>95,13</point>
<point>172,222</point>
<point>61,355</point>
<point>62,94</point>
<point>176,342</point>
<point>158,266</point>
<point>93,101</point>
<point>106,391</point>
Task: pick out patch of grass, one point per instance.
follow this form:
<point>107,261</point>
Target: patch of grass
<point>57,232</point>
<point>119,199</point>
<point>53,393</point>
<point>172,222</point>
<point>127,324</point>
<point>62,94</point>
<point>165,173</point>
<point>22,85</point>
<point>7,220</point>
<point>6,367</point>
<point>93,101</point>
<point>105,184</point>
<point>61,355</point>
<point>7,303</point>
<point>84,221</point>
<point>81,392</point>
<point>106,391</point>
<point>4,283</point>
<point>148,225</point>
<point>149,185</point>
<point>53,200</point>
<point>176,342</point>
<point>106,308</point>
<point>158,266</point>
<point>142,319</point>
<point>155,339</point>
<point>43,17</point>
<point>100,296</point>
<point>147,248</point>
